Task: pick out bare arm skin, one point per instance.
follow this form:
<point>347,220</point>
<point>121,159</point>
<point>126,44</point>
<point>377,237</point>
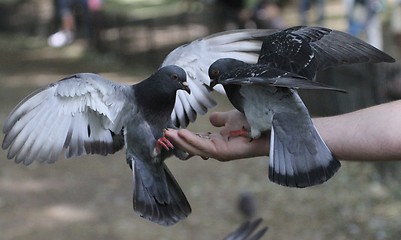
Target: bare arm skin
<point>370,134</point>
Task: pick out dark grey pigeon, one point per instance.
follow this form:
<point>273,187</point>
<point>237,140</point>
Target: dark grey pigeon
<point>87,114</point>
<point>267,97</point>
<point>267,94</point>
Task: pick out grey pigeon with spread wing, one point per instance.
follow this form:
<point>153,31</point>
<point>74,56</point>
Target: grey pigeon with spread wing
<point>87,114</point>
<point>267,94</point>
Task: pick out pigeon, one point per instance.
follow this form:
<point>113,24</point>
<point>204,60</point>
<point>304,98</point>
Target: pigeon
<point>87,114</point>
<point>266,93</point>
<point>246,231</point>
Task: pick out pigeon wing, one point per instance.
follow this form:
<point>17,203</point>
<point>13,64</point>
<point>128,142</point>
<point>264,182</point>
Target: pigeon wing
<point>196,57</point>
<point>305,50</point>
<point>80,113</point>
<point>288,82</point>
<point>261,74</point>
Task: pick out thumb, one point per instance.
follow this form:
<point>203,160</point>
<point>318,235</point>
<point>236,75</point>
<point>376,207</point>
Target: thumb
<point>218,119</point>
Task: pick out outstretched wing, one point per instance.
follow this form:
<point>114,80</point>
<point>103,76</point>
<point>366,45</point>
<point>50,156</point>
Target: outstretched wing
<point>261,74</point>
<point>288,82</point>
<point>80,113</point>
<point>196,57</point>
<point>305,50</point>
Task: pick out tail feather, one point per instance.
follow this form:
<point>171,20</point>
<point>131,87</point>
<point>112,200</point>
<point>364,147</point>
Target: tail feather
<point>157,196</point>
<point>298,155</point>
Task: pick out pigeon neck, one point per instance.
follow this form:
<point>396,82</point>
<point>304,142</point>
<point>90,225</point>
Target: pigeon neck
<point>234,95</point>
<point>155,97</point>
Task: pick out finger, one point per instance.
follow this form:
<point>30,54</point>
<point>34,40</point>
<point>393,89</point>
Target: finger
<point>200,146</point>
<point>178,141</point>
<point>171,134</point>
<point>188,141</point>
<point>204,135</point>
<point>218,119</point>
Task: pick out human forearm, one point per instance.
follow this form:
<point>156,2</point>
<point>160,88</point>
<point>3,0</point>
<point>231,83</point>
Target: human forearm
<point>370,134</point>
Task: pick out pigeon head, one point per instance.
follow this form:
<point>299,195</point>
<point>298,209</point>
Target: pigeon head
<point>159,90</point>
<point>221,67</point>
<point>176,75</point>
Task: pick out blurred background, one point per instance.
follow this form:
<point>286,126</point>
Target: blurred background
<point>126,40</point>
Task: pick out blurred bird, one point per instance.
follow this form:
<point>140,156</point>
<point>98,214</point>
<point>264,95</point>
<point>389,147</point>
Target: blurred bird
<point>266,93</point>
<point>246,231</point>
<point>247,205</point>
<point>87,114</point>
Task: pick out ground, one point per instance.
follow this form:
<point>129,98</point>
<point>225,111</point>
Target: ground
<point>91,197</point>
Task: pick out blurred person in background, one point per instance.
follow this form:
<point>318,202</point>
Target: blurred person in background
<point>305,5</point>
<point>268,14</point>
<point>65,11</point>
<point>364,17</point>
<point>395,23</point>
<point>232,12</point>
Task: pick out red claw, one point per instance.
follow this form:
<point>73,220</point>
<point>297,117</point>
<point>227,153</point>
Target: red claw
<point>163,142</point>
<point>238,133</point>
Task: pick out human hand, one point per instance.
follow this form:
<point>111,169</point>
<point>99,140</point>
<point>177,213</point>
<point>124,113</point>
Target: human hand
<point>219,145</point>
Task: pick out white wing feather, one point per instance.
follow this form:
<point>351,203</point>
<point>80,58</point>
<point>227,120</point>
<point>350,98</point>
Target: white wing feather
<point>196,57</point>
<point>78,113</point>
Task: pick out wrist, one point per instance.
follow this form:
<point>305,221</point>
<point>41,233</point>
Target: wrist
<point>262,145</point>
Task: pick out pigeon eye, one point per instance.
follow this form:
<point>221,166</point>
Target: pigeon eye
<point>174,77</point>
<point>215,72</point>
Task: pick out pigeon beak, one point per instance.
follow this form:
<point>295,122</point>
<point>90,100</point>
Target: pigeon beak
<point>209,88</point>
<point>185,87</point>
<point>213,83</point>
